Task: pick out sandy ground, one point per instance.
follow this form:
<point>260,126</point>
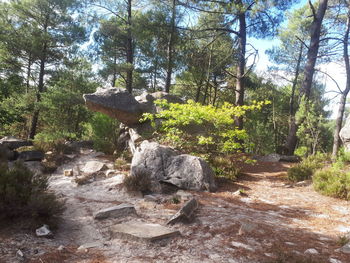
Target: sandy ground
<point>271,222</point>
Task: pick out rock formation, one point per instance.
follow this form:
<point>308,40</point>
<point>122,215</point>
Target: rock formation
<point>345,134</point>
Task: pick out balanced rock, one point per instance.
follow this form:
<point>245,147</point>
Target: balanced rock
<point>164,165</point>
<point>115,102</point>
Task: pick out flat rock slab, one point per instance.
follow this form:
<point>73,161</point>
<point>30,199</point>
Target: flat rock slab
<point>144,232</point>
<point>115,211</point>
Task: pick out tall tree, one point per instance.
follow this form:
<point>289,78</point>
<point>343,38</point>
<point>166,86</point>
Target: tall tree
<point>52,32</point>
<point>312,53</point>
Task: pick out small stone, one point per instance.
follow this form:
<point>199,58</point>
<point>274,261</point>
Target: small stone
<point>121,210</point>
<point>246,227</point>
<point>19,254</point>
<point>61,248</point>
<point>44,231</point>
<point>110,172</point>
<point>333,260</point>
<point>184,196</point>
<point>346,248</point>
<point>68,172</point>
<point>311,251</point>
<point>89,245</point>
<point>185,213</point>
<point>94,167</point>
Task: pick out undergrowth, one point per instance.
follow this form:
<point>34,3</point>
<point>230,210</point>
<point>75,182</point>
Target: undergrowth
<point>24,195</point>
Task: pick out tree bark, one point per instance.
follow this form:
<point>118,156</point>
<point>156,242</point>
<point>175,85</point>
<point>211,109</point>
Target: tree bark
<point>129,50</point>
<point>342,102</point>
<point>35,118</point>
<point>315,32</point>
<point>170,49</point>
<point>240,85</point>
<point>292,139</point>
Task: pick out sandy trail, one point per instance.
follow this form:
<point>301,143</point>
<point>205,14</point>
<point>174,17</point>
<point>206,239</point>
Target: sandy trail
<point>276,221</point>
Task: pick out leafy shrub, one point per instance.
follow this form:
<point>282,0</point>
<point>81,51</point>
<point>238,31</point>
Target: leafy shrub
<point>343,158</point>
<point>301,151</point>
<point>198,128</point>
<point>55,141</point>
<point>103,131</point>
<point>23,195</point>
<point>332,182</point>
<point>304,170</point>
<point>224,167</point>
<point>141,182</point>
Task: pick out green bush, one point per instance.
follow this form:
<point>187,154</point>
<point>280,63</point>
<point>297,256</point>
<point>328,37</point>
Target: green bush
<point>343,158</point>
<point>103,132</point>
<point>304,170</point>
<point>23,195</point>
<point>55,141</point>
<point>332,182</point>
<point>223,166</point>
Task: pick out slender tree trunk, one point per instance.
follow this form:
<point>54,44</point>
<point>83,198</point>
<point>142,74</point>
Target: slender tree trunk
<point>309,70</point>
<point>29,69</point>
<point>129,50</point>
<point>114,78</point>
<point>240,85</point>
<point>342,102</point>
<point>40,90</point>
<point>198,92</point>
<point>215,89</point>
<point>292,133</point>
<point>208,76</point>
<point>170,49</point>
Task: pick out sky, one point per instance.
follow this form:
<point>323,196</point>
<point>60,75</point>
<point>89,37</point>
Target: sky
<point>333,69</point>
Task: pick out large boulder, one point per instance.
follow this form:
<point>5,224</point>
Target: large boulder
<point>27,156</point>
<point>117,103</point>
<point>146,100</point>
<point>345,134</point>
<point>13,143</point>
<point>165,165</point>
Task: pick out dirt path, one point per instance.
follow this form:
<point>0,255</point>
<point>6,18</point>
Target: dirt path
<point>271,221</point>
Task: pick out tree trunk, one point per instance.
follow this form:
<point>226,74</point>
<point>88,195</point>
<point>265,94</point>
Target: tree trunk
<point>342,102</point>
<point>35,117</point>
<point>29,69</point>
<point>129,51</point>
<point>242,41</point>
<point>292,139</point>
<point>309,70</point>
<point>170,49</point>
<point>114,78</point>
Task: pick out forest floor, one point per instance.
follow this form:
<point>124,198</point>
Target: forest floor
<point>270,221</point>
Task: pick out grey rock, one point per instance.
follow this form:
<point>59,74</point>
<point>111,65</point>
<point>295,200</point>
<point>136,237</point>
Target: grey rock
<point>14,143</point>
<point>334,260</point>
<point>31,156</point>
<point>118,211</point>
<point>143,232</point>
<point>115,102</point>
<point>247,228</point>
<point>19,254</point>
<point>92,167</point>
<point>346,248</point>
<point>7,154</point>
<point>183,195</point>
<point>273,157</point>
<point>345,134</point>
<point>164,165</point>
<point>90,245</point>
<point>186,213</point>
<point>289,158</point>
<point>43,231</point>
<point>311,251</point>
<point>146,100</point>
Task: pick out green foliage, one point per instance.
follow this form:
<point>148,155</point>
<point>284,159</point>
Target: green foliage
<point>198,128</point>
<point>304,170</point>
<point>23,195</point>
<point>224,166</point>
<point>141,182</point>
<point>301,151</point>
<point>53,141</point>
<point>332,182</point>
<point>343,158</point>
<point>103,131</point>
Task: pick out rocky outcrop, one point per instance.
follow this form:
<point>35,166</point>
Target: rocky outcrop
<point>117,103</point>
<point>345,134</point>
<point>13,143</point>
<point>165,165</point>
